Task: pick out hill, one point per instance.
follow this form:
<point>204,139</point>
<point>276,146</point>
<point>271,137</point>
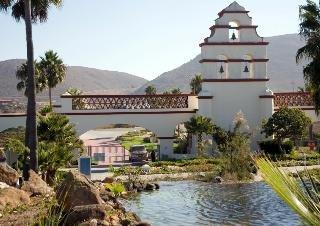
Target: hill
<point>87,79</point>
<point>283,71</point>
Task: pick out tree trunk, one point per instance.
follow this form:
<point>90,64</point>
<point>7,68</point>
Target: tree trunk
<point>50,98</point>
<point>31,124</point>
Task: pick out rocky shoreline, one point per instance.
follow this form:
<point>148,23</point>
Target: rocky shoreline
<point>75,201</point>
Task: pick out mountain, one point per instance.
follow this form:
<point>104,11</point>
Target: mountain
<point>283,71</point>
<point>87,79</point>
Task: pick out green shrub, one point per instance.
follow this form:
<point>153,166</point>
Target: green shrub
<point>271,147</point>
<point>116,188</point>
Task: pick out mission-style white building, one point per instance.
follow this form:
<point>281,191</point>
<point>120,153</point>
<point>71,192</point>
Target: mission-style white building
<point>234,68</point>
<point>235,78</point>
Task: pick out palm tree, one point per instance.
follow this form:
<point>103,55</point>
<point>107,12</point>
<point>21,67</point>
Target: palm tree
<point>53,69</point>
<point>57,141</point>
<point>195,84</point>
<point>199,125</point>
<point>310,30</point>
<point>150,90</point>
<point>30,11</point>
<point>22,75</point>
<point>301,196</point>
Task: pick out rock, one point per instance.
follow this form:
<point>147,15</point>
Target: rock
<point>2,156</point>
<point>77,190</point>
<point>129,186</point>
<point>108,180</point>
<point>3,185</point>
<point>157,186</point>
<point>8,175</point>
<point>35,185</point>
<point>202,174</point>
<point>107,196</point>
<point>150,187</point>
<point>93,222</point>
<point>143,223</point>
<point>145,169</point>
<point>83,213</point>
<point>217,179</point>
<point>13,197</point>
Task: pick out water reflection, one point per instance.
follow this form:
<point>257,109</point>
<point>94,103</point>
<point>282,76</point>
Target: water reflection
<point>197,203</point>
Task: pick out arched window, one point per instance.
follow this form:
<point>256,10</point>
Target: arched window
<point>222,66</point>
<point>247,67</point>
<point>234,32</point>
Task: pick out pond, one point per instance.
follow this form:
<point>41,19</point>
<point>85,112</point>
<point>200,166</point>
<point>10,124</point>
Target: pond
<point>198,203</point>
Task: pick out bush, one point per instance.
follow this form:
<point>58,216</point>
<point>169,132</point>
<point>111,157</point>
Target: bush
<point>271,147</point>
<point>146,140</point>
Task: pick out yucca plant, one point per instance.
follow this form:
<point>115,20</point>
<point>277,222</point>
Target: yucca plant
<point>300,194</point>
<point>116,188</point>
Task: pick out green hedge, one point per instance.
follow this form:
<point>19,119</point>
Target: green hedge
<point>271,147</point>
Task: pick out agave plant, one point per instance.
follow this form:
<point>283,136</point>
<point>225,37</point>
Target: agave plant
<point>300,194</point>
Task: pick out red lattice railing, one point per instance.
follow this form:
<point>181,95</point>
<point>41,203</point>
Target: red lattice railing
<point>293,99</point>
<point>102,102</point>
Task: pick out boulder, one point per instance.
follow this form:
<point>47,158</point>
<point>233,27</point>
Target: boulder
<point>8,175</point>
<point>13,197</point>
<point>77,190</point>
<point>35,185</point>
<point>3,185</point>
<point>108,180</point>
<point>80,214</point>
<point>150,187</point>
<point>217,179</point>
<point>157,186</point>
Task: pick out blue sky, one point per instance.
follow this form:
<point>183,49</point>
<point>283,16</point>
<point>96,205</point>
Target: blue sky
<point>142,37</point>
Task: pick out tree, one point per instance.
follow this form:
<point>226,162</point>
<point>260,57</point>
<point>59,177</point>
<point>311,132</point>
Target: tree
<point>53,70</point>
<point>310,30</point>
<point>199,125</point>
<point>286,123</point>
<point>57,141</point>
<point>195,84</point>
<point>150,90</point>
<point>236,150</point>
<point>30,11</point>
<point>176,91</point>
<point>22,75</point>
<point>74,91</point>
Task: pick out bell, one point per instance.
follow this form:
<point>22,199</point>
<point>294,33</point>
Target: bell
<point>221,69</point>
<point>246,69</point>
<point>233,37</point>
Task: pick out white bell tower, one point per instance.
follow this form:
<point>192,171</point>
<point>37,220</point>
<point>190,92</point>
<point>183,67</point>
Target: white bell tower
<point>234,68</point>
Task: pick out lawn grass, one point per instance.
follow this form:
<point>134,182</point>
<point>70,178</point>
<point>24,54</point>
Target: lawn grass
<point>136,138</point>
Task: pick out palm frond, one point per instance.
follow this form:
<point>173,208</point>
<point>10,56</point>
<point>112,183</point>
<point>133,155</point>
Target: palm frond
<point>291,192</point>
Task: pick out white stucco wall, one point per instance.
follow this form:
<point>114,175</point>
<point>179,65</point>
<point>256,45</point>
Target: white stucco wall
<point>231,97</point>
<point>233,51</point>
<point>240,18</point>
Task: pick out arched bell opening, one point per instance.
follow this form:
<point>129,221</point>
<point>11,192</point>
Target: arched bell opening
<point>222,66</point>
<point>234,32</point>
<point>247,67</point>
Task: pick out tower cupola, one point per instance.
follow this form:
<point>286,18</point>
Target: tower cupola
<point>235,46</point>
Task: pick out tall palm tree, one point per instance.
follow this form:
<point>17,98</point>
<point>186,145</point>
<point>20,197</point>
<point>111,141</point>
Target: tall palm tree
<point>310,30</point>
<point>30,11</point>
<point>195,84</point>
<point>199,125</point>
<point>22,75</point>
<point>150,90</point>
<point>53,69</point>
